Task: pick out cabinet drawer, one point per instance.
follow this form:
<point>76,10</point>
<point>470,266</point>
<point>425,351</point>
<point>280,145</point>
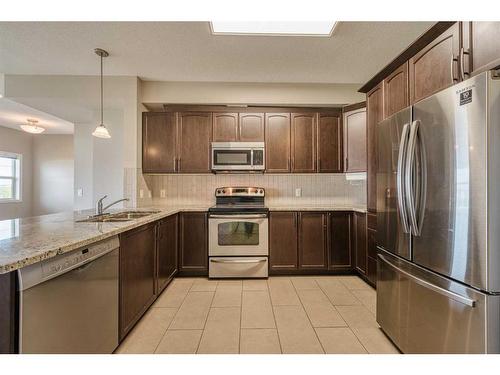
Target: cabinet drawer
<point>250,267</point>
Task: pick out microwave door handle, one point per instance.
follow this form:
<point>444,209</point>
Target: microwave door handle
<point>403,144</point>
<point>410,163</point>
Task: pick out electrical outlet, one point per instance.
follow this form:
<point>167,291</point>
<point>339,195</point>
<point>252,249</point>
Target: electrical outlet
<point>298,192</point>
<point>141,193</point>
<point>162,193</point>
<point>79,192</point>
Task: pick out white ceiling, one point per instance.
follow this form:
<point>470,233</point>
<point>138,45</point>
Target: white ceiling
<point>186,51</point>
<point>13,114</point>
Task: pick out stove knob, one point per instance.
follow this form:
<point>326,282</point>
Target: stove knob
<point>223,191</point>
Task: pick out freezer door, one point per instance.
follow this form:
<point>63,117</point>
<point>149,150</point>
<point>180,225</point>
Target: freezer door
<point>423,312</point>
<point>392,221</point>
<point>448,201</point>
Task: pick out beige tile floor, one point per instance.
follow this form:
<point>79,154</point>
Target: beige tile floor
<point>290,315</point>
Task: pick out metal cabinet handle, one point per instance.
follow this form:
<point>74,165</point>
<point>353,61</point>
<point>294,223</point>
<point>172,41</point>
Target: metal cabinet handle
<point>238,260</point>
<point>463,52</point>
<point>452,68</point>
<point>399,179</point>
<point>452,295</point>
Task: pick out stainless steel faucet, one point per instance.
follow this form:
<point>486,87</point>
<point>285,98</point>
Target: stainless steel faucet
<point>99,209</point>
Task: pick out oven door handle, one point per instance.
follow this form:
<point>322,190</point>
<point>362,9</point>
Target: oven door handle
<point>237,260</point>
<point>252,216</point>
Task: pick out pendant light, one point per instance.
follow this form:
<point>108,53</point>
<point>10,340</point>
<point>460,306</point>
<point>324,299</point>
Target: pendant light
<point>101,131</point>
<point>32,127</point>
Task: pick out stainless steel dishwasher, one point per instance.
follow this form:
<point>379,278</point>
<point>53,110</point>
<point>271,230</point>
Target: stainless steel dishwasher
<point>69,303</point>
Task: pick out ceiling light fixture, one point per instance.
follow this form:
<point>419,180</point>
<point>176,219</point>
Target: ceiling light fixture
<point>101,131</point>
<point>278,28</point>
<point>32,127</point>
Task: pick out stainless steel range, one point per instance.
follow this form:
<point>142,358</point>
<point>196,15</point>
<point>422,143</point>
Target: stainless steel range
<point>238,243</point>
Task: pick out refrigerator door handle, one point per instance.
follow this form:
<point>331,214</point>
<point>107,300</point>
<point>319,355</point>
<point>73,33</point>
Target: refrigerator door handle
<point>452,295</point>
<point>409,191</point>
<point>399,179</point>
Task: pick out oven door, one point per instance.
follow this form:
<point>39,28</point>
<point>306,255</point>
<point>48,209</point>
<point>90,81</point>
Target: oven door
<point>238,235</point>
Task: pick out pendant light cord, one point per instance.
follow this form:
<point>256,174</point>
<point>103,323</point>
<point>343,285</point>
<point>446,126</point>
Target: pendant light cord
<point>102,123</point>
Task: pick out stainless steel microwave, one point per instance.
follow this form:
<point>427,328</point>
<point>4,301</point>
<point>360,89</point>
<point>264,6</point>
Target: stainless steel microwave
<point>238,156</point>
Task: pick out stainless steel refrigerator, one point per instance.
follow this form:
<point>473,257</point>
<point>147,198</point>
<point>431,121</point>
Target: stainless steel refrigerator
<point>438,221</point>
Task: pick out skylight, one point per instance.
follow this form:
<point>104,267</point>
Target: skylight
<point>315,28</point>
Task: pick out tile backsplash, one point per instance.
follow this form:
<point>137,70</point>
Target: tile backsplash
<point>316,189</point>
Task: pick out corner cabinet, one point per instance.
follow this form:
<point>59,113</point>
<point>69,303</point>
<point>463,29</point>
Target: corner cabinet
<point>329,144</point>
<point>340,254</point>
<point>159,142</point>
<point>137,275</point>
<point>167,251</point>
<point>193,243</point>
<point>355,140</point>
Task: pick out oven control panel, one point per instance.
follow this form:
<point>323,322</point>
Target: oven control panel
<point>240,192</point>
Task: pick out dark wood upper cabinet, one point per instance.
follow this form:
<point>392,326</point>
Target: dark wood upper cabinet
<point>481,47</point>
<point>436,66</point>
<point>277,131</point>
<point>374,114</point>
<point>359,242</point>
<point>251,127</point>
<point>303,129</point>
<point>313,240</point>
<point>195,137</point>
<point>225,127</point>
<point>355,140</point>
<point>193,243</point>
<point>159,142</point>
<point>396,96</point>
<point>167,249</point>
<point>340,256</point>
<point>283,241</point>
<point>137,274</point>
<point>329,144</point>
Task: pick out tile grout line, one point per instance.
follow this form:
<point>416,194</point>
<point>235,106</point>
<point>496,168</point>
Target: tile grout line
<point>178,308</point>
<point>331,303</point>
<point>241,315</point>
<point>274,315</point>
<point>308,318</point>
<point>206,319</point>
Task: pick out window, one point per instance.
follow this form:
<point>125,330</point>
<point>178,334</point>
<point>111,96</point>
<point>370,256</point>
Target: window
<point>10,177</point>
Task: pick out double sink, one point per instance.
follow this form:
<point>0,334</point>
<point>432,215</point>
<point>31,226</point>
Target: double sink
<point>117,217</point>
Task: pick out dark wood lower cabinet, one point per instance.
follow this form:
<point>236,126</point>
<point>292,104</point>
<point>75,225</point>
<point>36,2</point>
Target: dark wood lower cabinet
<point>8,313</point>
<point>359,242</point>
<point>313,240</point>
<point>340,256</point>
<point>283,242</point>
<point>137,274</point>
<point>167,250</point>
<point>372,271</point>
<point>193,243</point>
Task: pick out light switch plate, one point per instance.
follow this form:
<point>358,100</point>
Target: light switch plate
<point>298,192</point>
<point>162,193</point>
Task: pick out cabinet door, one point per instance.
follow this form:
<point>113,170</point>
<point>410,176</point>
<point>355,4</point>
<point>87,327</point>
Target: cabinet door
<point>137,275</point>
<point>195,136</point>
<point>329,144</point>
<point>355,140</point>
<point>277,130</point>
<point>485,45</point>
<point>360,242</point>
<point>193,246</point>
<point>283,241</point>
<point>371,272</point>
<point>167,250</point>
<point>303,126</point>
<point>225,127</point>
<point>436,66</point>
<point>251,127</point>
<point>159,142</point>
<point>312,240</point>
<point>374,114</point>
<point>340,241</point>
<point>396,95</point>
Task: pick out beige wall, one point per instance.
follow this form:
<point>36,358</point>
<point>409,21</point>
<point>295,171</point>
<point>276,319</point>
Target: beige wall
<point>154,92</point>
<point>53,169</point>
<point>18,142</point>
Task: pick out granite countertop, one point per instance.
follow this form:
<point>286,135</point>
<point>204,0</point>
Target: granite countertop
<point>33,239</point>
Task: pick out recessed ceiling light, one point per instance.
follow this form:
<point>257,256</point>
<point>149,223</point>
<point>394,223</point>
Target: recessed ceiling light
<point>32,127</point>
<point>314,28</point>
